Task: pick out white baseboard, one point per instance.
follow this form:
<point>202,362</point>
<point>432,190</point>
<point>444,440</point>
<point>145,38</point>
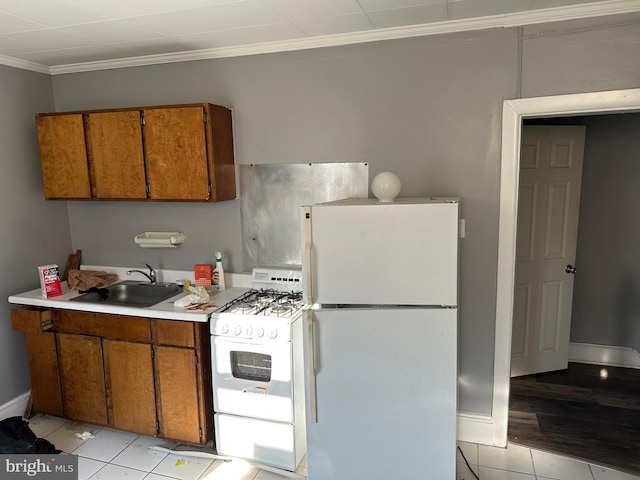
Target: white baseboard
<point>604,355</point>
<point>475,428</point>
<point>15,407</point>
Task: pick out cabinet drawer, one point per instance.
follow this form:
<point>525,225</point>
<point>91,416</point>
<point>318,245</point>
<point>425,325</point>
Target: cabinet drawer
<point>116,327</point>
<point>31,320</point>
<point>173,332</point>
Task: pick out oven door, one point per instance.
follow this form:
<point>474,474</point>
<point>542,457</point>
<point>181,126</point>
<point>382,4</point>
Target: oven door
<point>252,378</point>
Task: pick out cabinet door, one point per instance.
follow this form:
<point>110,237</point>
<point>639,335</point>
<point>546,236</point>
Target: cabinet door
<point>222,171</point>
<point>178,405</point>
<point>115,150</point>
<point>43,370</point>
<point>82,378</point>
<point>130,386</point>
<point>176,153</point>
<point>63,155</point>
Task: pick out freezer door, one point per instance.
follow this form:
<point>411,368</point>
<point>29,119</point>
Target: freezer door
<point>392,254</point>
<point>386,394</point>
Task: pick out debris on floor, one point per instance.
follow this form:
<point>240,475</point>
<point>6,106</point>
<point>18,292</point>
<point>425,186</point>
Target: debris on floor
<point>85,435</point>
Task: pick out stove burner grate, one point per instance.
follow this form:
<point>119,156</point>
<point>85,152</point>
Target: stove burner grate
<point>280,310</point>
<point>266,302</point>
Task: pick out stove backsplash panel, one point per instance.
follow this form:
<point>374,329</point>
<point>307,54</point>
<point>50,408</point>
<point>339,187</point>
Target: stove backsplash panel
<point>271,196</point>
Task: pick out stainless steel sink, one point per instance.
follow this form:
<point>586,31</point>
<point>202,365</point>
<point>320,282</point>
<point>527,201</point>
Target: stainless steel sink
<point>131,293</point>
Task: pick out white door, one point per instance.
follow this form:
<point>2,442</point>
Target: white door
<point>548,207</point>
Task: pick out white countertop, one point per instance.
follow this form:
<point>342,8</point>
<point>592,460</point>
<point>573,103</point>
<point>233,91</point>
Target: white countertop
<point>165,309</point>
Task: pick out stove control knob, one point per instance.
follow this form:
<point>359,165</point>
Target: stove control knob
<point>260,332</point>
<point>223,328</point>
<point>273,333</point>
<point>249,331</point>
<point>237,330</point>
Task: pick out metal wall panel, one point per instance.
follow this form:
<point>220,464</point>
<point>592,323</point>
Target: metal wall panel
<point>271,196</point>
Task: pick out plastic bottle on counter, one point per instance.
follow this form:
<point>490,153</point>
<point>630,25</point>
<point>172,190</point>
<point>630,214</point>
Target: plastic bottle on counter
<point>218,272</point>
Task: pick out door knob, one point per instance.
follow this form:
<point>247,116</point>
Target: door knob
<point>570,269</point>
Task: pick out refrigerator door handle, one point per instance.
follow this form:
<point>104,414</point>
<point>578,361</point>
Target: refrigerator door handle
<point>311,368</point>
<point>306,219</point>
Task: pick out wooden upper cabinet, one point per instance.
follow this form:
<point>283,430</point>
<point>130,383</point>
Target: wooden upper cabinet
<point>180,152</point>
<point>115,154</point>
<point>176,153</point>
<point>222,171</point>
<point>63,156</point>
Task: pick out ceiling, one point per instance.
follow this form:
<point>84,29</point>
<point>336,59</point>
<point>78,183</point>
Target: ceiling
<point>62,36</point>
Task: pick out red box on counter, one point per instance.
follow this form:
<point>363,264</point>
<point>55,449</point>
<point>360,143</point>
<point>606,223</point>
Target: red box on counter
<point>203,274</point>
<point>50,281</point>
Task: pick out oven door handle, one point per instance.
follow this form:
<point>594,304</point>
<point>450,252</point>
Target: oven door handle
<point>311,367</point>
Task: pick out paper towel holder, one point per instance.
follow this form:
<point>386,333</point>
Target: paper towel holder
<point>159,239</point>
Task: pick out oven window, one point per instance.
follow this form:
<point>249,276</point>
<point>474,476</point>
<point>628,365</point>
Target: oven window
<point>251,366</point>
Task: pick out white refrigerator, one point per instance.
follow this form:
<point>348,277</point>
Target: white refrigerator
<point>381,287</point>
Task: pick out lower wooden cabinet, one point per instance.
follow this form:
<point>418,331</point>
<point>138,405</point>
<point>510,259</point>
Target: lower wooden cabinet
<point>136,374</point>
<point>43,366</point>
<point>82,378</point>
<point>178,393</point>
<point>130,386</point>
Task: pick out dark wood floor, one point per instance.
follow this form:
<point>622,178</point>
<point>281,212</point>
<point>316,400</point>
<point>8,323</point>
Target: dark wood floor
<point>580,413</point>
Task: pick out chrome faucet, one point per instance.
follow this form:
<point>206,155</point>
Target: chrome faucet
<point>151,275</point>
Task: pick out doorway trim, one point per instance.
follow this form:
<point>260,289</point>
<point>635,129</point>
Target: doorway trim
<point>513,112</point>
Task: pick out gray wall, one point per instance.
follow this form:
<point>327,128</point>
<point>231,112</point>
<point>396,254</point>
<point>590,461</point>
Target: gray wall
<point>581,56</point>
<point>606,302</point>
<point>427,108</point>
<point>34,232</point>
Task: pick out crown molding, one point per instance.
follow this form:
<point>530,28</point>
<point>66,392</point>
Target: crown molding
<point>285,45</point>
<point>572,12</point>
<point>589,10</point>
<point>24,65</point>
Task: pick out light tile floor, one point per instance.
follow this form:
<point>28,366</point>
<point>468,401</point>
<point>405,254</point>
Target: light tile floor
<point>115,455</point>
<point>521,463</point>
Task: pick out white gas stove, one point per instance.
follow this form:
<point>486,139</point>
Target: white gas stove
<point>266,311</point>
<point>258,377</point>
